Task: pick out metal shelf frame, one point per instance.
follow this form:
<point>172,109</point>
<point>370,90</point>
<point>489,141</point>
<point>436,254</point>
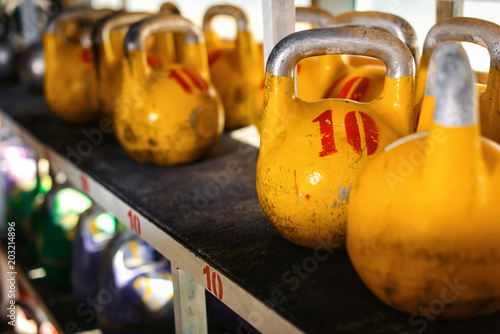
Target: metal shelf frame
<point>187,267</point>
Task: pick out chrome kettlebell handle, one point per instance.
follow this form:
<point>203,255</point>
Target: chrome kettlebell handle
<point>346,40</point>
<point>235,12</point>
<point>466,29</point>
<point>451,81</point>
<point>394,24</point>
<point>103,30</point>
<point>169,8</point>
<point>137,33</point>
<point>317,16</point>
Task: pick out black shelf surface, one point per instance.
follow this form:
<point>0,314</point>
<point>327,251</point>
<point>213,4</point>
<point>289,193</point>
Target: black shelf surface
<point>231,232</point>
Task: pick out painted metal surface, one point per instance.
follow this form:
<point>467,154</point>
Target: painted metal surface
<point>235,66</point>
<point>108,55</point>
<point>190,306</point>
<point>311,153</point>
<point>171,115</point>
<point>426,242</point>
<point>69,67</point>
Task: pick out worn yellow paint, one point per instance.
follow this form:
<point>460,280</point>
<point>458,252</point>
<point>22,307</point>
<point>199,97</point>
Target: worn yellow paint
<point>425,213</point>
<point>157,121</point>
<point>489,102</point>
<point>70,79</point>
<point>302,194</point>
<point>324,77</point>
<point>109,67</point>
<point>237,75</point>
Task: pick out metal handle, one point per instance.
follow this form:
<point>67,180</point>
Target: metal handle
<point>466,29</point>
<point>346,40</point>
<point>136,35</point>
<point>317,16</point>
<point>169,8</point>
<point>451,82</point>
<point>234,12</point>
<point>394,24</point>
<point>102,31</point>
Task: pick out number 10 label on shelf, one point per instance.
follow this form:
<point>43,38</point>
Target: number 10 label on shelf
<point>214,282</point>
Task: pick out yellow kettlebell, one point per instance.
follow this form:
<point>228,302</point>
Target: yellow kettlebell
<point>235,66</point>
<point>170,115</point>
<point>70,76</point>
<point>311,153</point>
<point>464,29</point>
<point>424,218</point>
<point>108,57</point>
<point>365,83</point>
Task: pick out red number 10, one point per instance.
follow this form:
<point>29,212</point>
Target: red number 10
<point>211,280</point>
<point>353,135</point>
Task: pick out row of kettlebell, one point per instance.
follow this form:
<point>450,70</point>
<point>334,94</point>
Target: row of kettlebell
<point>402,198</point>
<point>150,74</point>
<point>131,91</point>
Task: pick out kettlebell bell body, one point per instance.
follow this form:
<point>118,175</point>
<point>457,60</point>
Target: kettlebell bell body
<point>70,82</point>
<point>172,115</point>
<point>305,199</point>
<point>423,217</point>
<point>108,37</point>
<point>234,67</point>
<point>464,29</point>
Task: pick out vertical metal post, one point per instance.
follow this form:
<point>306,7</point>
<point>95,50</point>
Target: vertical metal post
<point>279,21</point>
<point>189,304</point>
<point>446,9</point>
<point>30,26</point>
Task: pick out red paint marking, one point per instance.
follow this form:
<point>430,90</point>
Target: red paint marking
<point>213,56</point>
<point>206,271</point>
<point>85,183</point>
<point>360,90</point>
<point>308,197</point>
<point>263,84</point>
<point>371,133</point>
<point>326,130</point>
<point>344,91</point>
<point>211,284</point>
<point>135,223</point>
<point>196,79</point>
<point>352,131</point>
<point>86,56</point>
<point>299,68</point>
<point>154,61</point>
<point>180,80</point>
<point>332,87</point>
